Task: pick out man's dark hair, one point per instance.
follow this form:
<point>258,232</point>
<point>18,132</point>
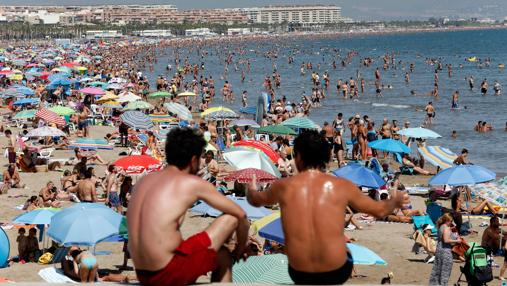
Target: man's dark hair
<point>88,173</point>
<point>182,145</point>
<point>8,132</point>
<point>465,150</point>
<point>313,148</point>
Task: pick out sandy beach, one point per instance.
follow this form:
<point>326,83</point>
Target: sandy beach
<point>392,241</point>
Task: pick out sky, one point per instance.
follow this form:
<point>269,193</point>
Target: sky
<point>356,9</point>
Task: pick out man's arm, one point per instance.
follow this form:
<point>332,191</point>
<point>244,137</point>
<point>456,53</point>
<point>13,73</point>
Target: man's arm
<point>264,198</point>
<point>379,209</point>
<point>94,193</point>
<point>223,204</point>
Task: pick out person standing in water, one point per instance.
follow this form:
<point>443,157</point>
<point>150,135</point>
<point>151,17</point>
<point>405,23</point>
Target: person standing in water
<point>455,99</point>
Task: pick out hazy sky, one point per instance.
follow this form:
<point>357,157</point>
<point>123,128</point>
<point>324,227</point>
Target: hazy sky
<point>357,9</point>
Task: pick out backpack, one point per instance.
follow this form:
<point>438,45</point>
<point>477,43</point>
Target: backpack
<point>478,270</point>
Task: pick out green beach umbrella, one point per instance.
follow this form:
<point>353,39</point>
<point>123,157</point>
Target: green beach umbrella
<point>103,85</point>
<point>25,114</point>
<point>62,110</point>
<point>160,94</point>
<point>300,122</point>
<point>277,129</point>
<point>265,269</point>
<point>138,105</point>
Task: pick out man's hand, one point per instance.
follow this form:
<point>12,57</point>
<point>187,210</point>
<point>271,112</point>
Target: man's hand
<point>399,198</point>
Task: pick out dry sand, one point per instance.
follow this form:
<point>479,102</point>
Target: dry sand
<point>391,241</point>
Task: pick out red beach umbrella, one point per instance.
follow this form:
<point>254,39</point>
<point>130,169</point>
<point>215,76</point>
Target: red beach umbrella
<point>50,117</point>
<point>260,146</point>
<point>246,176</point>
<point>137,164</point>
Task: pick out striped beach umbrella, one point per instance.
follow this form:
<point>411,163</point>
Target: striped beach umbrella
<point>264,269</point>
<point>277,129</point>
<point>438,156</point>
<point>300,122</point>
<point>158,118</point>
<point>179,109</point>
<point>136,119</point>
<point>50,117</point>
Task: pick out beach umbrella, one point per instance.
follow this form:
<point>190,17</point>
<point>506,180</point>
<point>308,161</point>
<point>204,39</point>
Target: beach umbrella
<point>419,132</point>
<point>186,93</point>
<point>37,216</point>
<point>60,82</point>
<point>92,90</point>
<point>277,129</point>
<point>243,158</point>
<point>246,176</point>
<point>493,192</point>
<point>389,145</point>
<point>90,143</point>
<point>112,104</point>
<point>107,97</point>
<point>160,94</point>
<point>300,122</point>
<point>102,85</point>
<point>252,110</point>
<point>25,90</point>
<point>15,76</point>
<point>210,110</point>
<point>84,224</point>
<point>159,118</point>
<point>57,76</point>
<point>264,269</point>
<point>252,212</point>
<point>50,117</point>
<point>115,86</point>
<point>12,92</point>
<point>136,119</point>
<point>25,114</point>
<point>137,164</point>
<point>245,122</point>
<point>62,110</point>
<point>438,156</point>
<point>46,131</point>
<point>26,101</point>
<point>138,105</point>
<point>463,175</point>
<point>128,97</point>
<point>360,176</point>
<point>260,146</point>
<point>179,109</point>
<point>360,254</point>
<point>117,80</point>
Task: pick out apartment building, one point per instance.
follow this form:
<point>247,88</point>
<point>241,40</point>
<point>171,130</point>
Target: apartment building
<point>298,14</point>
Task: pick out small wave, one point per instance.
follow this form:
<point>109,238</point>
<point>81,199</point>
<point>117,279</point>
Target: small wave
<point>390,105</point>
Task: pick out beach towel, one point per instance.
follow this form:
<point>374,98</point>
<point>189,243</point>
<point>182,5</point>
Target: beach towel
<point>90,143</point>
<point>53,275</point>
<point>438,156</point>
<point>417,190</point>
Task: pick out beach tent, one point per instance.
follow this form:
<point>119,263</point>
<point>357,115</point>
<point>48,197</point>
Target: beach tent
<point>5,247</point>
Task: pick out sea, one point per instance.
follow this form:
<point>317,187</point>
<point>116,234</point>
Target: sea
<point>398,102</point>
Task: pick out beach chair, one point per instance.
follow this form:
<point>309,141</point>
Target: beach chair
<point>434,211</point>
<point>419,221</point>
<point>46,153</point>
<point>375,165</point>
<point>59,254</point>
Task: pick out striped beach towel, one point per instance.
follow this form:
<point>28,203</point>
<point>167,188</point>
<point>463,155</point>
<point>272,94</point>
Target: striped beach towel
<point>438,156</point>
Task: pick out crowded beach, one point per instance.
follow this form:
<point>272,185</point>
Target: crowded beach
<point>111,176</point>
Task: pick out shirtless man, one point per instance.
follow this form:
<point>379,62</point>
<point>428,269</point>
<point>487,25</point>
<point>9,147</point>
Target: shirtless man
<point>385,130</point>
<point>329,132</point>
<point>160,255</point>
<point>430,113</point>
<point>86,191</point>
<point>455,99</point>
<point>313,206</point>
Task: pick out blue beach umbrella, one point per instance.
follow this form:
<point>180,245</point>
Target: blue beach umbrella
<point>463,175</point>
<point>360,254</point>
<point>38,216</point>
<point>60,82</point>
<point>61,75</point>
<point>419,132</point>
<point>84,224</point>
<point>25,90</point>
<point>251,211</point>
<point>359,175</point>
<point>136,119</point>
<point>389,145</point>
<point>26,101</point>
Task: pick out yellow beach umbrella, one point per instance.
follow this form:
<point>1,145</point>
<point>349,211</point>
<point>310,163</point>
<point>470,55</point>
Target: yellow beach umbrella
<point>215,109</point>
<point>260,223</point>
<point>187,93</point>
<point>107,97</point>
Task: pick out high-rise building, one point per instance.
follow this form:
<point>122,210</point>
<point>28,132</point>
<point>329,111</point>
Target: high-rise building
<point>297,14</point>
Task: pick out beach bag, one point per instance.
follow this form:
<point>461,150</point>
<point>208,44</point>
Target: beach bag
<point>46,258</point>
<point>478,270</point>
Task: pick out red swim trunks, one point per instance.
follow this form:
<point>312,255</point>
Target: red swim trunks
<point>191,259</point>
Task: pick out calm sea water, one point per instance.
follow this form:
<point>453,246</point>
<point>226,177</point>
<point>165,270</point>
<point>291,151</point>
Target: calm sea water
<point>397,103</point>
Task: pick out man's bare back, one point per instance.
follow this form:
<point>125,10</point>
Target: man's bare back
<point>86,191</point>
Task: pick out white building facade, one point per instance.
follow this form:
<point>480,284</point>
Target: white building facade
<point>297,14</point>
